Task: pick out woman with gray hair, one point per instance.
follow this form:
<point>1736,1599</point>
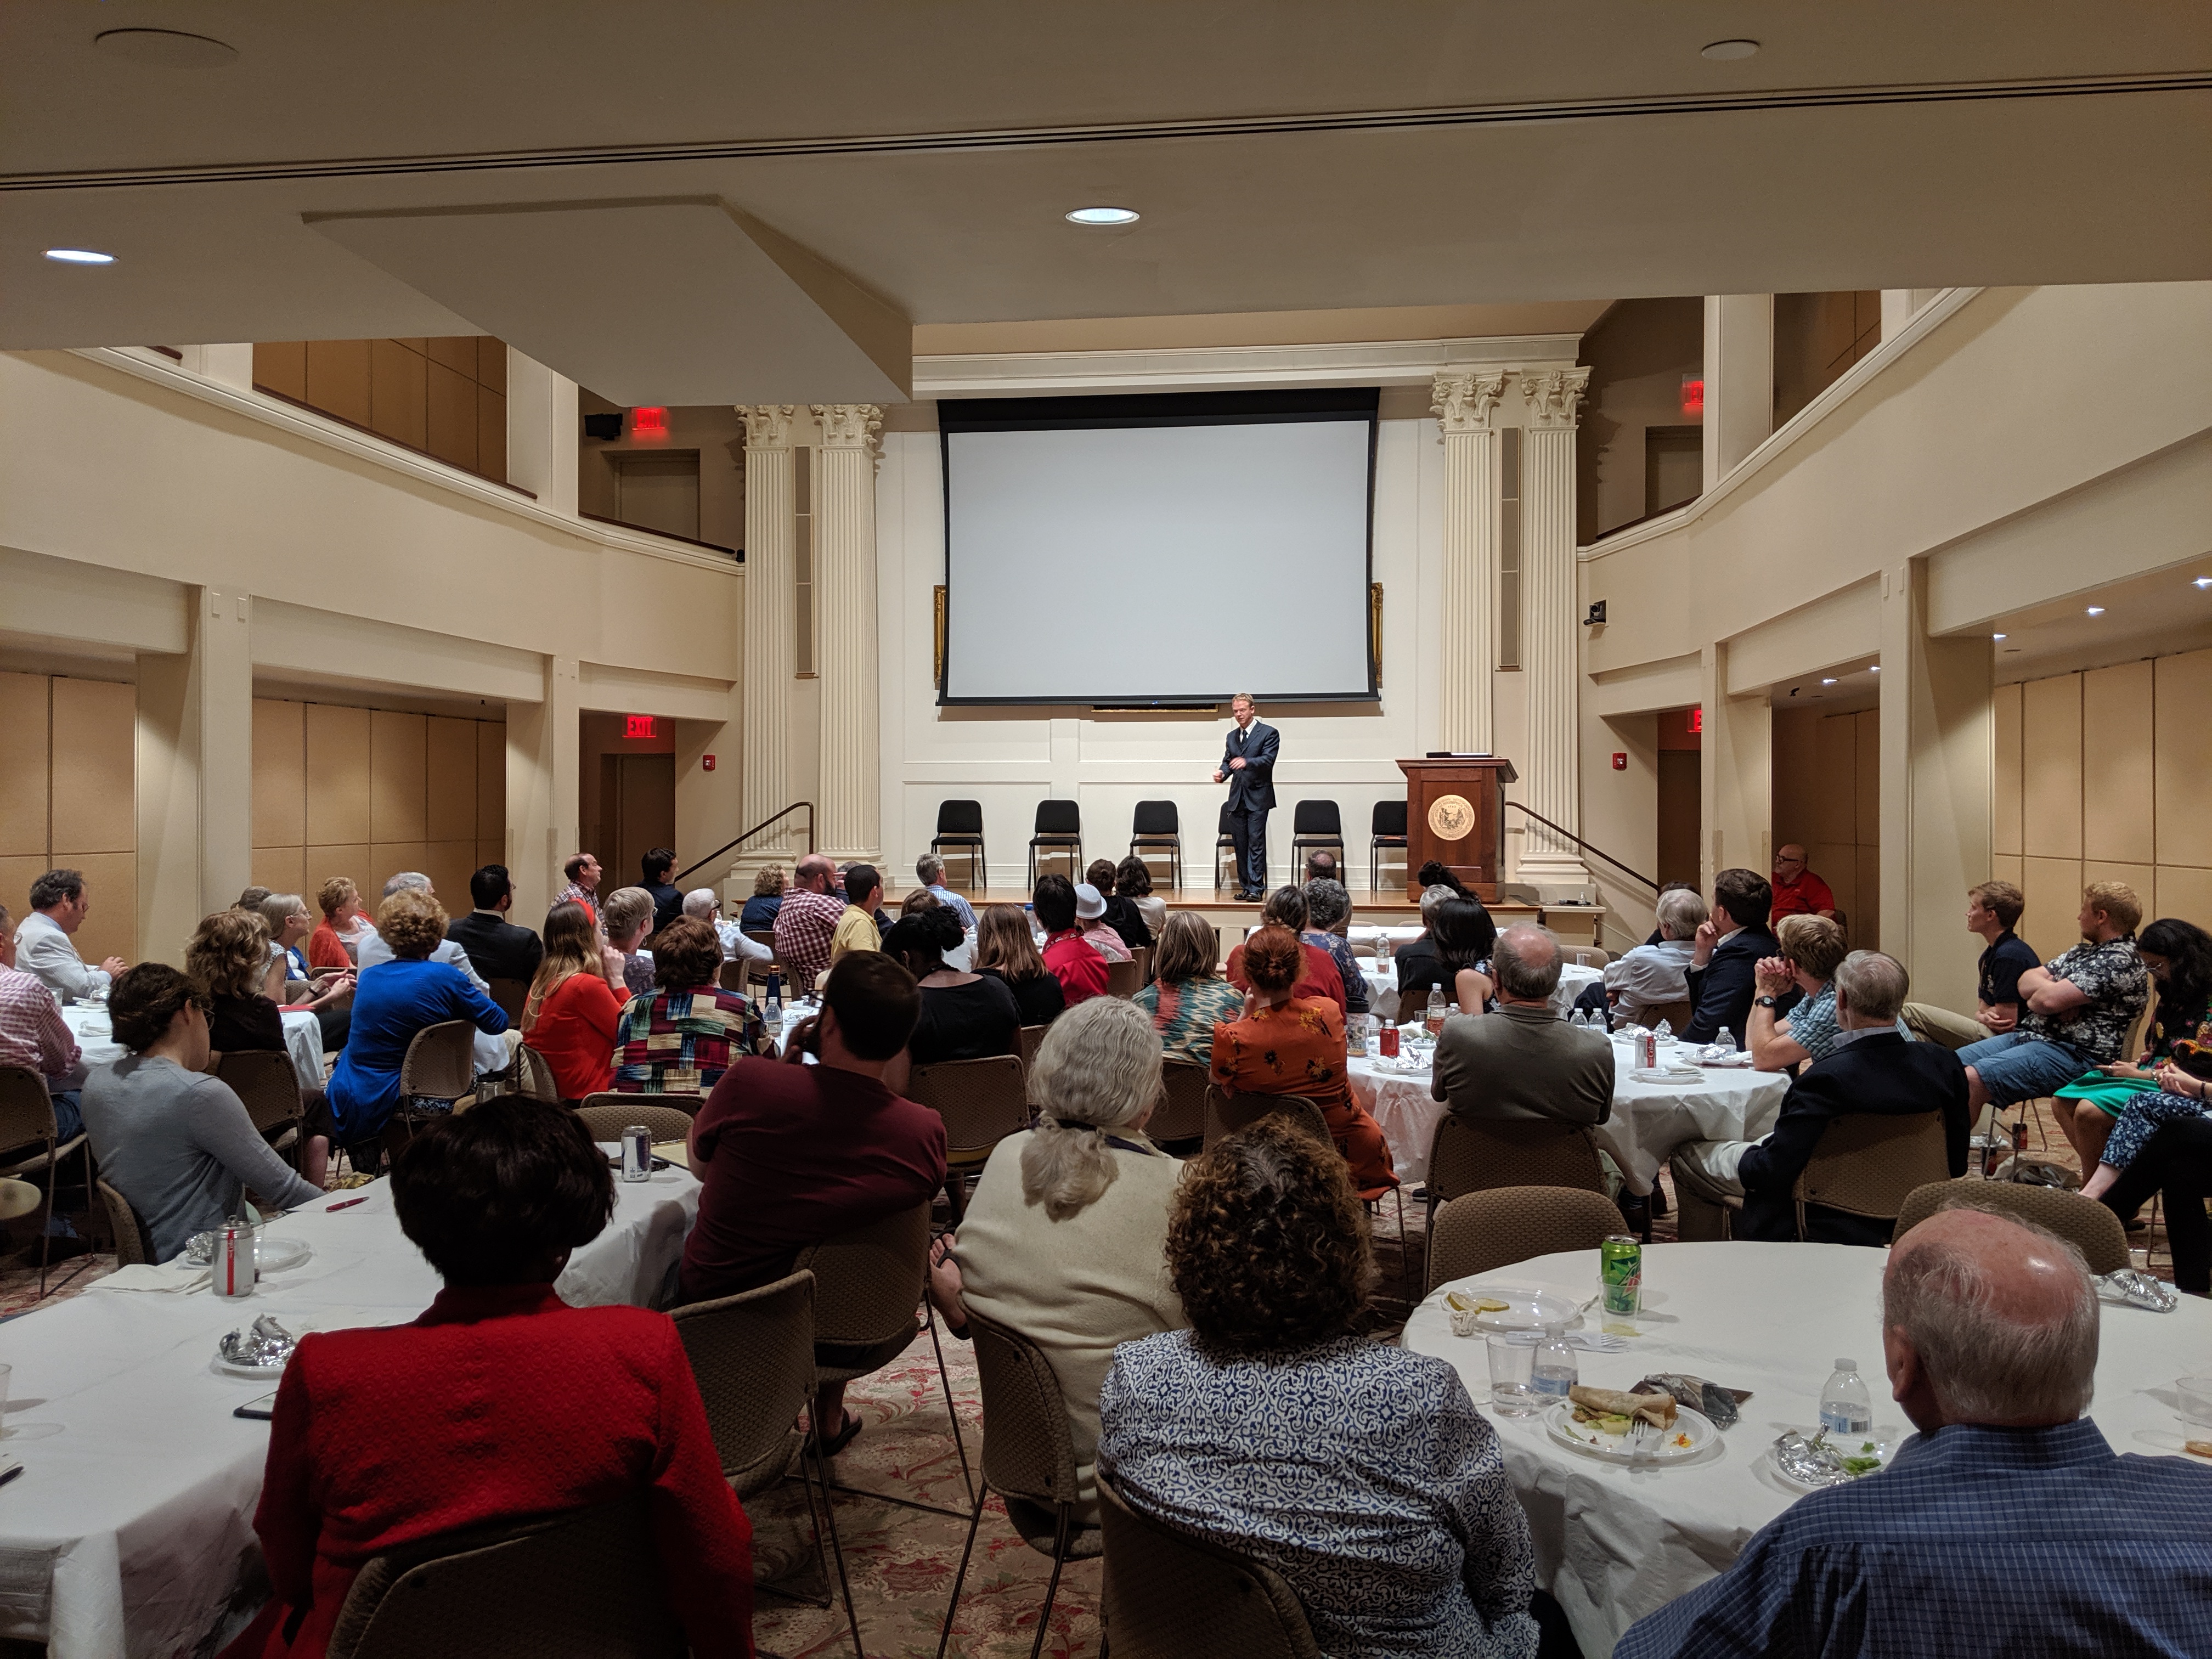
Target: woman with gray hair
<point>1327,907</point>
<point>1065,1240</point>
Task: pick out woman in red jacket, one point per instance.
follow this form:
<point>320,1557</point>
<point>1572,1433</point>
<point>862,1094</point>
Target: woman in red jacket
<point>499,1403</point>
<point>576,1003</point>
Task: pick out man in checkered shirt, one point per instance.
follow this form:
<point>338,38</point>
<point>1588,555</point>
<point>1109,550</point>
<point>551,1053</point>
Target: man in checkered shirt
<point>33,1035</point>
<point>804,927</point>
<point>2007,1525</point>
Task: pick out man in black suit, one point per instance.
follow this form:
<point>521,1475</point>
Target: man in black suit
<point>1874,1069</point>
<point>1725,954</point>
<point>497,948</point>
<point>1248,766</point>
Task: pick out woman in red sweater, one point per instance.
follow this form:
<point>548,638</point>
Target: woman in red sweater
<point>536,1408</point>
<point>575,1004</point>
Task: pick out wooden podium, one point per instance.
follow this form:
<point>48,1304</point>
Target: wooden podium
<point>1456,814</point>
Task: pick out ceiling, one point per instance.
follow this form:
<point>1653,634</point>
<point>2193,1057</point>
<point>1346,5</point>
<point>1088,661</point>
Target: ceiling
<point>1299,156</point>
<point>2146,615</point>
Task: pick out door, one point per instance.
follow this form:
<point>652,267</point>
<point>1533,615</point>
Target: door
<point>644,815</point>
<point>1679,811</point>
<point>659,489</point>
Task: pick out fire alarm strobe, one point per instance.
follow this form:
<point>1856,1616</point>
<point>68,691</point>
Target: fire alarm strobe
<point>1620,761</point>
<point>706,762</point>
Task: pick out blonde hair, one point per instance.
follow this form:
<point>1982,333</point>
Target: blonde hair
<point>627,911</point>
<point>229,953</point>
<point>277,909</point>
<point>572,947</point>
<point>1005,944</point>
<point>1098,1069</point>
<point>1188,948</point>
<point>334,894</point>
<point>1812,942</point>
<point>2118,901</point>
<point>768,882</point>
<point>412,922</point>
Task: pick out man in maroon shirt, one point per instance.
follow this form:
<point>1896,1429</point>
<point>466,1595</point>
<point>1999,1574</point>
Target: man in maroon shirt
<point>1073,959</point>
<point>793,1153</point>
<point>1797,890</point>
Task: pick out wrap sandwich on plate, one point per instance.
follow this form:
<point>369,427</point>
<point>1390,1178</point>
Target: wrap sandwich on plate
<point>1601,1403</point>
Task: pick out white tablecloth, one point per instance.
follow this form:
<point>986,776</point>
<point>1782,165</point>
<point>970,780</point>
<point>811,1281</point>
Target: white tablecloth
<point>303,1039</point>
<point>1612,1545</point>
<point>1649,1120</point>
<point>1382,974</point>
<point>127,1530</point>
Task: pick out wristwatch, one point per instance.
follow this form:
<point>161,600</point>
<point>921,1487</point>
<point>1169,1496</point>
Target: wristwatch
<point>1766,1002</point>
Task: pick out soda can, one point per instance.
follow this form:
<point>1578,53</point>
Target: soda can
<point>1389,1041</point>
<point>1647,1050</point>
<point>1620,1280</point>
<point>637,1153</point>
<point>236,1260</point>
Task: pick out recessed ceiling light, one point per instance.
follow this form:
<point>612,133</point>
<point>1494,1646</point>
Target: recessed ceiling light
<point>1102,216</point>
<point>1727,51</point>
<point>1876,669</point>
<point>1827,682</point>
<point>165,48</point>
<point>2202,581</point>
<point>79,256</point>
<point>2096,609</point>
<point>1996,636</point>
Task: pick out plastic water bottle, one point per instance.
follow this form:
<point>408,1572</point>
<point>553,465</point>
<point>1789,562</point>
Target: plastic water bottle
<point>1845,1405</point>
<point>1575,1018</point>
<point>1554,1371</point>
<point>1725,1042</point>
<point>772,1007</point>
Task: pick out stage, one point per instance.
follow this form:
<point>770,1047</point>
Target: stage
<point>1574,924</point>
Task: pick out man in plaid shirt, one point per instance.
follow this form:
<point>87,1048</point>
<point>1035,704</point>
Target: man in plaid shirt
<point>808,920</point>
<point>32,1035</point>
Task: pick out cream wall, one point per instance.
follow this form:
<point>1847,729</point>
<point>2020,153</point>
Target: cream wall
<point>66,753</point>
<point>1827,799</point>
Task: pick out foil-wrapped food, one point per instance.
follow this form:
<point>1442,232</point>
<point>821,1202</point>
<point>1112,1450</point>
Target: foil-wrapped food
<point>1717,1403</point>
<point>1811,1463</point>
<point>263,1345</point>
<point>2138,1290</point>
<point>199,1249</point>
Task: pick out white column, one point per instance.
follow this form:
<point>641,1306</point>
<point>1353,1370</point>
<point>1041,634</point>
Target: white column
<point>544,755</point>
<point>1738,378</point>
<point>193,742</point>
<point>1551,645</point>
<point>1735,774</point>
<point>543,438</point>
<point>845,602</point>
<point>1464,402</point>
<point>771,613</point>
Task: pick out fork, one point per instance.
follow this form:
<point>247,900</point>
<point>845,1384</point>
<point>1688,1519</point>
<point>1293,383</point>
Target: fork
<point>1643,1440</point>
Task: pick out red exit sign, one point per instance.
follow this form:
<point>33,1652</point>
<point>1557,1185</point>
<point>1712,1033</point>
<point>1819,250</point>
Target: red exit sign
<point>638,725</point>
<point>651,422</point>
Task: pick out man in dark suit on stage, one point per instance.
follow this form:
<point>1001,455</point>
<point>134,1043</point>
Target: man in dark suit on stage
<point>1248,767</point>
<point>1725,955</point>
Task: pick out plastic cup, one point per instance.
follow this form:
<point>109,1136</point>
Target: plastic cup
<point>1512,1377</point>
<point>2196,1397</point>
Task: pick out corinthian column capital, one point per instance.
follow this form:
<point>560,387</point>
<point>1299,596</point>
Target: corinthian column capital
<point>851,426</point>
<point>1553,395</point>
<point>767,426</point>
<point>1464,399</point>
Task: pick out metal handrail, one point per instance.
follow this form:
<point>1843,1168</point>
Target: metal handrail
<point>763,824</point>
<point>1585,846</point>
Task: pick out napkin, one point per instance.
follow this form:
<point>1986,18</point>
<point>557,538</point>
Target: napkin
<point>144,1276</point>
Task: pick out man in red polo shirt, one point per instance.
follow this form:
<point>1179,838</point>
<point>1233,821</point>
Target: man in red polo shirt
<point>1797,890</point>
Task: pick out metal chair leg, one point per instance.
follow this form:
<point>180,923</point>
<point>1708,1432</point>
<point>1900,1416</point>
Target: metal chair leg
<point>1052,1587</point>
<point>830,1510</point>
<point>944,1379</point>
<point>953,1606</point>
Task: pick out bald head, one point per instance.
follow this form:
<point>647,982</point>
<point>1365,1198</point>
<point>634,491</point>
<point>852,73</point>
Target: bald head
<point>815,873</point>
<point>1990,1320</point>
<point>1527,959</point>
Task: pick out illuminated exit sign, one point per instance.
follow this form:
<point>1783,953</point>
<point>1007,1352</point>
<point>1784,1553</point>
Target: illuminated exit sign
<point>638,727</point>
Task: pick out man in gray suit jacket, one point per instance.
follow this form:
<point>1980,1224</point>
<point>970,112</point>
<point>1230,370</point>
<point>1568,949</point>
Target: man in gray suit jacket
<point>1523,1060</point>
<point>59,904</point>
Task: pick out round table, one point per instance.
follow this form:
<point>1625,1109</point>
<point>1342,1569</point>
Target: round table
<point>1382,976</point>
<point>1649,1120</point>
<point>1614,1544</point>
<point>95,1039</point>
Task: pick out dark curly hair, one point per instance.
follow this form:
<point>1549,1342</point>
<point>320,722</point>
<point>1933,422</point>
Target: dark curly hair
<point>146,999</point>
<point>490,1195</point>
<point>1273,958</point>
<point>1266,1244</point>
<point>920,940</point>
<point>686,954</point>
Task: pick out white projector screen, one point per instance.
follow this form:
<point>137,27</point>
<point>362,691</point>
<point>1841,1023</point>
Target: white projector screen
<point>1144,559</point>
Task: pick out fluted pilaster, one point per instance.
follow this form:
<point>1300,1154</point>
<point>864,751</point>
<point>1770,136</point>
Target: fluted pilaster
<point>845,586</point>
<point>1550,649</point>
<point>771,621</point>
<point>1464,402</point>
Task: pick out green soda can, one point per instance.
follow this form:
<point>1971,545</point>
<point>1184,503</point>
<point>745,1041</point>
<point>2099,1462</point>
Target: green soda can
<point>1620,1278</point>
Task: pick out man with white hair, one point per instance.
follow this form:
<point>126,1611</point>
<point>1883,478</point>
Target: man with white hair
<point>1523,1061</point>
<point>705,904</point>
<point>1651,975</point>
<point>929,870</point>
<point>2008,1525</point>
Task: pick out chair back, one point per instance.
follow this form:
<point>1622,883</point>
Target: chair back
<point>2089,1226</point>
<point>666,1117</point>
<point>760,936</point>
<point>1143,956</point>
<point>1226,832</point>
<point>1032,1040</point>
<point>982,1101</point>
<point>1676,1015</point>
<point>26,1110</point>
<point>266,1082</point>
<point>584,1583</point>
<point>1471,1155</point>
<point>1226,1112</point>
<point>1171,1595</point>
<point>1390,819</point>
<point>509,995</point>
<point>1180,1114</point>
<point>536,1081</point>
<point>867,1283</point>
<point>1477,1232</point>
<point>752,1355</point>
<point>1058,817</point>
<point>733,976</point>
<point>959,817</point>
<point>439,1062</point>
<point>1868,1163</point>
<point>130,1247</point>
<point>1156,818</point>
<point>1316,817</point>
<point>1124,979</point>
<point>1028,1451</point>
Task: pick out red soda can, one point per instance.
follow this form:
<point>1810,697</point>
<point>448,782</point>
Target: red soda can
<point>1389,1041</point>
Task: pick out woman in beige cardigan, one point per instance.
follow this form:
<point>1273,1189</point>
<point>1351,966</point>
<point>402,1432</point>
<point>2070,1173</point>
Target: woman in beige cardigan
<point>1065,1238</point>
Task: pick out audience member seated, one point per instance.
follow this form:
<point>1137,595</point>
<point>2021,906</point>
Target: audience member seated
<point>705,904</point>
<point>1006,950</point>
<point>391,1002</point>
<point>286,917</point>
<point>929,870</point>
<point>60,901</point>
<point>1797,890</point>
<point>1282,1043</point>
<point>794,1154</point>
<point>1127,922</point>
<point>807,919</point>
<point>2175,1160</point>
<point>2008,1525</point>
<point>1652,974</point>
<point>1328,908</point>
<point>857,928</point>
<point>760,910</point>
<point>495,946</point>
<point>2077,1014</point>
<point>1133,882</point>
<point>331,945</point>
<point>1097,931</point>
<point>1188,998</point>
<point>174,1141</point>
<point>1872,1071</point>
<point>1808,949</point>
<point>1419,969</point>
<point>1993,910</point>
<point>1725,955</point>
<point>540,1409</point>
<point>1321,866</point>
<point>226,958</point>
<point>34,1036</point>
<point>249,898</point>
<point>964,1016</point>
<point>682,1038</point>
<point>582,871</point>
<point>1273,1426</point>
<point>327,994</point>
<point>574,1011</point>
<point>1318,979</point>
<point>1073,959</point>
<point>627,915</point>
<point>1064,1237</point>
<point>2167,1083</point>
<point>1522,1061</point>
<point>653,870</point>
<point>1465,935</point>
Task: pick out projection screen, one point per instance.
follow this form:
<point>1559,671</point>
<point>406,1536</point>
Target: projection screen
<point>1159,549</point>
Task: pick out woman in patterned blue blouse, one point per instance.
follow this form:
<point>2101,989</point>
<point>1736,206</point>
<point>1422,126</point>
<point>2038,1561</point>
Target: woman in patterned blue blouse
<point>1361,1473</point>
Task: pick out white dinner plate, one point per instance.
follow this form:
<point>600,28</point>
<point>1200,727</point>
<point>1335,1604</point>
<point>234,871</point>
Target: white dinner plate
<point>1849,1445</point>
<point>1642,1075</point>
<point>1526,1309</point>
<point>1397,1066</point>
<point>1692,1432</point>
<point>260,1373</point>
<point>270,1255</point>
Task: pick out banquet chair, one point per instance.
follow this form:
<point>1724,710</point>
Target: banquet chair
<point>1473,1155</point>
<point>1124,979</point>
<point>982,1102</point>
<point>268,1087</point>
<point>960,826</point>
<point>439,1065</point>
<point>1227,1111</point>
<point>509,995</point>
<point>1029,1460</point>
<point>760,936</point>
<point>130,1247</point>
<point>1477,1232</point>
<point>534,1079</point>
<point>1224,842</point>
<point>583,1585</point>
<point>666,1117</point>
<point>1169,1594</point>
<point>2089,1226</point>
<point>1143,957</point>
<point>752,1355</point>
<point>1156,826</point>
<point>1868,1163</point>
<point>30,1144</point>
<point>1058,828</point>
<point>1676,1014</point>
<point>1180,1114</point>
<point>1032,1040</point>
<point>1315,823</point>
<point>1387,830</point>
